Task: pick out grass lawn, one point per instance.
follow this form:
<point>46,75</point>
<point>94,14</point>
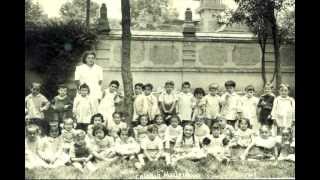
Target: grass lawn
<point>184,169</point>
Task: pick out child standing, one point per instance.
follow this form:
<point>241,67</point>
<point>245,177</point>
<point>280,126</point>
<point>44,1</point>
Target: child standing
<point>138,103</point>
<point>32,148</point>
<point>283,111</point>
<point>249,107</point>
<point>80,154</point>
<point>265,105</point>
<point>61,105</point>
<point>102,144</point>
<point>152,147</point>
<point>107,104</point>
<point>212,104</point>
<point>187,146</point>
<point>140,132</point>
<point>151,101</point>
<point>198,106</point>
<point>84,107</point>
<point>201,129</point>
<point>231,104</point>
<point>35,106</point>
<point>185,103</point>
<point>173,132</point>
<point>262,147</point>
<point>168,101</point>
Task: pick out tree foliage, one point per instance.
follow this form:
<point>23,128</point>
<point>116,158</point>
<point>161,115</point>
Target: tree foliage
<point>150,14</point>
<point>76,11</point>
<point>54,50</point>
<point>34,13</point>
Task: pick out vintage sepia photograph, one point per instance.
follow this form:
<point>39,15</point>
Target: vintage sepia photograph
<point>159,89</point>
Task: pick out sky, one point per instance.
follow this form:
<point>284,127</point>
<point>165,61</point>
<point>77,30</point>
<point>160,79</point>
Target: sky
<point>51,7</point>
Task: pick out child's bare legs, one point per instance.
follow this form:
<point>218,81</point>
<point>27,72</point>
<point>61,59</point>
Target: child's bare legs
<point>78,166</point>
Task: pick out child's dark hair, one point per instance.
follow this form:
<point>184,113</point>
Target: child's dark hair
<point>62,86</point>
<point>284,85</point>
<point>114,113</point>
<point>175,116</point>
<point>246,120</point>
<point>199,91</point>
<point>86,54</point>
<point>96,115</point>
<point>183,136</point>
<point>143,115</point>
<point>186,83</point>
<point>129,130</point>
<point>138,85</point>
<point>155,118</point>
<point>99,127</point>
<point>169,83</point>
<point>249,88</point>
<point>84,85</point>
<point>115,82</point>
<point>147,85</point>
<point>268,84</point>
<point>230,83</point>
<point>152,129</point>
<point>289,131</point>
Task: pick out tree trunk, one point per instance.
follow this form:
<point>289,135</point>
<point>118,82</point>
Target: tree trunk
<point>125,59</point>
<point>276,46</point>
<point>88,15</point>
<point>262,42</point>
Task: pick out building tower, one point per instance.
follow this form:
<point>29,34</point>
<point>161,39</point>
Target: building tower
<point>208,10</point>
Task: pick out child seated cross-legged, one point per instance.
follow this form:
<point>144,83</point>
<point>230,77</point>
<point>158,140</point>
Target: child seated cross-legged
<point>173,132</point>
<point>263,147</point>
<point>286,146</point>
<point>52,150</point>
<point>126,147</point>
<point>140,132</point>
<point>102,144</point>
<point>243,137</point>
<point>187,146</point>
<point>217,145</point>
<point>201,129</point>
<point>152,148</point>
<point>80,154</point>
<point>32,148</point>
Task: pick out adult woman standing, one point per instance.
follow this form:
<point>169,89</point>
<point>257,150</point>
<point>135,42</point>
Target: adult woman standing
<point>91,74</point>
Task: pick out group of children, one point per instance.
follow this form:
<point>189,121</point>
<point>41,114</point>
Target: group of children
<point>172,126</point>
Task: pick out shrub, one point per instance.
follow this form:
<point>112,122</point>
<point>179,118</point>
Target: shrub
<point>54,49</point>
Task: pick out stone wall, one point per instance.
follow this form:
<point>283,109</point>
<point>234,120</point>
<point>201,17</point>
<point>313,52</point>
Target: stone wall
<point>210,57</point>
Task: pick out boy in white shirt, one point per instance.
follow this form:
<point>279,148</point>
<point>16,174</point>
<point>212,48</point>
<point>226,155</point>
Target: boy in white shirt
<point>185,103</point>
<point>231,104</point>
<point>212,104</point>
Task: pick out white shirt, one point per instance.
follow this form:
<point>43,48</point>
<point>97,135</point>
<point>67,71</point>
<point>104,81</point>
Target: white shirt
<point>283,111</point>
<point>202,131</point>
<point>249,108</point>
<point>212,104</point>
<point>84,108</point>
<point>230,105</point>
<point>185,105</point>
<point>91,76</point>
<point>168,98</point>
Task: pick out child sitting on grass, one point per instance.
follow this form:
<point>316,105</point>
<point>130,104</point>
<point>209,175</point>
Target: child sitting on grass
<point>173,131</point>
<point>201,129</point>
<point>96,119</point>
<point>152,148</point>
<point>67,134</point>
<point>263,147</point>
<point>32,148</point>
<point>226,129</point>
<point>286,146</point>
<point>125,146</point>
<point>216,145</point>
<point>80,154</point>
<point>162,127</point>
<point>52,151</point>
<point>187,146</point>
<point>116,124</point>
<point>102,144</point>
<point>140,132</point>
<point>243,137</point>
